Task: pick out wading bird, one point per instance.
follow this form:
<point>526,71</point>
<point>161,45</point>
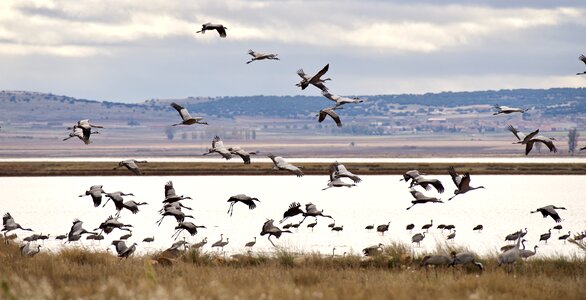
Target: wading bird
<point>218,147</point>
<point>330,111</point>
<point>464,258</point>
<point>462,182</point>
<point>131,164</point>
<point>96,192</point>
<point>247,200</point>
<point>310,225</point>
<point>549,211</point>
<point>383,227</point>
<point>315,79</point>
<point>427,226</point>
<point>478,227</point>
<point>510,256</point>
<point>545,236</point>
<point>564,237</point>
<point>251,243</point>
<point>272,230</point>
<point>501,109</point>
<point>373,250</point>
<point>200,244</point>
<point>369,227</point>
<point>260,56</point>
<point>293,210</point>
<point>410,227</point>
<point>27,250</point>
<point>116,197</point>
<point>421,199</point>
<point>417,238</point>
<point>187,118</point>
<point>436,260</point>
<point>281,164</point>
<point>112,223</point>
<point>177,214</point>
<point>411,175</point>
<point>209,26</point>
<point>339,99</point>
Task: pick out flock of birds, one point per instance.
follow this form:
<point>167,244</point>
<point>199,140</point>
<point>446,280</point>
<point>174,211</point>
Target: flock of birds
<point>338,173</point>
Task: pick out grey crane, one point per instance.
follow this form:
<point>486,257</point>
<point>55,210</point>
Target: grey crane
<point>547,141</point>
<point>527,253</point>
<point>126,236</point>
<point>31,238</point>
<point>331,112</point>
<point>260,56</point>
<point>331,225</point>
<point>61,237</point>
<point>173,205</point>
<point>95,192</point>
<point>177,214</point>
<point>449,227</point>
<point>310,225</point>
<point>515,235</point>
<point>420,198</point>
<point>369,227</point>
<point>27,250</point>
<point>521,137</point>
<point>82,130</point>
<point>170,194</point>
<point>383,227</point>
<point>339,99</point>
<point>462,182</point>
<point>187,226</point>
<point>338,228</point>
<point>558,227</point>
<point>112,223</point>
<point>410,227</point>
<point>132,165</point>
<point>149,239</point>
<point>76,231</point>
<point>315,79</point>
<point>281,164</point>
<point>200,244</point>
<point>218,147</point>
<point>95,237</point>
<point>478,228</point>
<point>510,256</point>
<point>564,237</point>
<point>133,205</point>
<point>373,250</point>
<point>582,58</point>
<point>123,250</point>
<point>43,237</point>
<point>417,238</point>
<point>243,154</point>
<point>464,258</point>
<point>221,243</point>
<point>436,260</point>
<point>550,211</point>
<point>119,203</point>
<point>221,29</point>
<point>451,236</point>
<point>341,171</point>
<point>272,230</point>
<point>411,175</point>
<point>427,183</point>
<point>293,210</point>
<point>247,200</point>
<point>545,236</point>
<point>427,226</point>
<point>251,243</point>
<point>336,181</point>
<point>9,224</point>
<point>187,119</point>
<point>501,109</point>
<point>441,226</point>
<point>312,211</point>
<point>287,226</point>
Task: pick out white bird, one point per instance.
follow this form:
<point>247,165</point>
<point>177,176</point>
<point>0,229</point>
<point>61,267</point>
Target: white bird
<point>507,110</point>
<point>187,118</point>
<point>218,147</point>
<point>330,111</point>
<point>341,100</point>
<point>281,164</point>
<point>315,79</point>
<point>131,164</point>
<point>209,26</point>
<point>260,56</point>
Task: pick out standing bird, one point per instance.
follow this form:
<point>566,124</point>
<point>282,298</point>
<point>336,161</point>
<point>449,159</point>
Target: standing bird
<point>462,183</point>
<point>315,79</point>
<point>369,227</point>
<point>209,26</point>
<point>545,236</point>
<point>200,244</point>
<point>410,227</point>
<point>260,56</point>
<point>251,243</point>
<point>27,250</point>
<point>420,199</point>
<point>272,230</point>
<point>219,243</point>
<point>564,237</point>
<point>149,239</point>
<point>310,225</point>
<point>187,118</point>
<point>243,199</point>
<point>243,154</point>
<point>338,228</point>
<point>451,236</point>
<point>528,253</point>
<point>463,258</point>
<point>373,250</point>
<point>96,192</point>
<point>123,250</point>
<point>218,147</point>
<point>383,227</point>
<point>417,238</point>
<point>339,99</point>
<point>549,210</point>
<point>330,111</point>
<point>281,164</point>
<point>501,109</point>
<point>583,59</point>
<point>510,256</point>
<point>9,224</point>
<point>436,260</point>
<point>131,164</point>
<point>478,227</point>
<point>427,226</point>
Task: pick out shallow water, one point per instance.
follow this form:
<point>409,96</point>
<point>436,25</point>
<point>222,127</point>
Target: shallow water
<point>49,204</point>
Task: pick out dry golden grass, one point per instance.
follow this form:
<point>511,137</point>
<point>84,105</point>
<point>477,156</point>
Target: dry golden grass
<point>79,273</point>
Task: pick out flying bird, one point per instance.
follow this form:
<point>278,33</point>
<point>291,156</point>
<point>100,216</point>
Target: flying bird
<point>209,26</point>
<point>9,224</point>
<point>243,199</point>
<point>95,192</point>
<point>501,109</point>
<point>82,130</point>
<point>462,182</point>
<point>272,230</point>
<point>315,79</point>
<point>583,59</point>
<point>281,164</point>
<point>243,154</point>
<point>339,99</point>
<point>293,210</point>
<point>330,111</point>
<point>131,164</point>
<point>549,211</point>
<point>341,171</point>
<point>420,198</point>
<point>123,250</point>
<point>171,196</point>
<point>427,183</point>
<point>336,181</point>
<point>261,56</point>
<point>187,118</point>
<point>532,138</point>
<point>218,147</point>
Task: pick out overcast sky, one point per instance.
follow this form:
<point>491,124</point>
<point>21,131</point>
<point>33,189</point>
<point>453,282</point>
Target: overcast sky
<point>133,50</point>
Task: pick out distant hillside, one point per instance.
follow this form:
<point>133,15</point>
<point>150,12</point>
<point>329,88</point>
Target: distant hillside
<point>40,107</point>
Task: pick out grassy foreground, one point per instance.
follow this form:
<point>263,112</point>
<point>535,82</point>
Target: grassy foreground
<point>264,168</point>
<point>79,273</point>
